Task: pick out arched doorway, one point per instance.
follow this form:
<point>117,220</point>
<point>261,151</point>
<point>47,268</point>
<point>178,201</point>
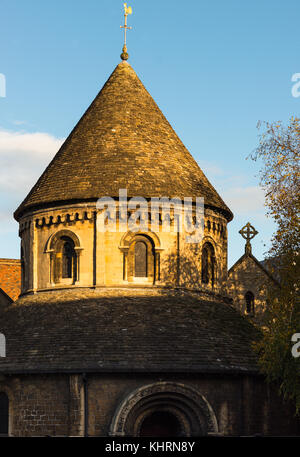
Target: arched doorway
<point>164,409</point>
<point>160,424</point>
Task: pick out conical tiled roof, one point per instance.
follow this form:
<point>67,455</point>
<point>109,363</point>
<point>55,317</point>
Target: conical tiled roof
<point>123,141</point>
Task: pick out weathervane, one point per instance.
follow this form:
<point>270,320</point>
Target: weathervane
<point>127,10</point>
<point>248,232</point>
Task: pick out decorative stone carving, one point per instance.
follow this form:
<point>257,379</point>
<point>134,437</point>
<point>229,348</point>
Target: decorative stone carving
<point>192,410</point>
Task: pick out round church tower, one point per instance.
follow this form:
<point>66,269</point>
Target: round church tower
<point>122,144</point>
<point>124,329</point>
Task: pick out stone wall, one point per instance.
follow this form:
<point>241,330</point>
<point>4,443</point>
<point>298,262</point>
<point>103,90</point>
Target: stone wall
<point>38,405</point>
<point>102,256</point>
<point>246,275</point>
<point>54,404</point>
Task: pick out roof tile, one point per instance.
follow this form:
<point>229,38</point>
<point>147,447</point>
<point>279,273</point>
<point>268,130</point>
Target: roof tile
<point>123,141</point>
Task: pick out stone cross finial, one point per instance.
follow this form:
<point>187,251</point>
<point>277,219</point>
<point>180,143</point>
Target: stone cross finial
<point>127,10</point>
<point>248,232</point>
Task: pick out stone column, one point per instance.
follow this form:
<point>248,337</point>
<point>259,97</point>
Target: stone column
<point>76,406</point>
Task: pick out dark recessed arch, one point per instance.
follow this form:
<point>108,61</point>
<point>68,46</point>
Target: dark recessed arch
<point>141,257</point>
<point>191,414</point>
<point>64,248</point>
<point>250,300</point>
<point>62,233</point>
<point>160,424</point>
<point>208,264</point>
<point>4,414</point>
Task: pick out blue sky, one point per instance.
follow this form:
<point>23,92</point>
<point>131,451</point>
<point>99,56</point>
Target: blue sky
<point>215,68</point>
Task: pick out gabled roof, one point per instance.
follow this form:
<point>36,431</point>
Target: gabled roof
<point>137,331</point>
<point>257,262</point>
<point>123,141</point>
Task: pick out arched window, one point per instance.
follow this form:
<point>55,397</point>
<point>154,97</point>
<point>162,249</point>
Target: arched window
<point>140,260</point>
<point>249,299</point>
<point>64,249</point>
<point>4,413</point>
<point>65,261</point>
<point>141,263</point>
<point>208,261</point>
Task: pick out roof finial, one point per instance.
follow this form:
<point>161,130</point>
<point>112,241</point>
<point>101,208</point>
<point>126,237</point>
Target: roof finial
<point>127,10</point>
<point>248,232</point>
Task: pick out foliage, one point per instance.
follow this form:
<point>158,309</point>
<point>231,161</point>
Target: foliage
<point>279,150</point>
